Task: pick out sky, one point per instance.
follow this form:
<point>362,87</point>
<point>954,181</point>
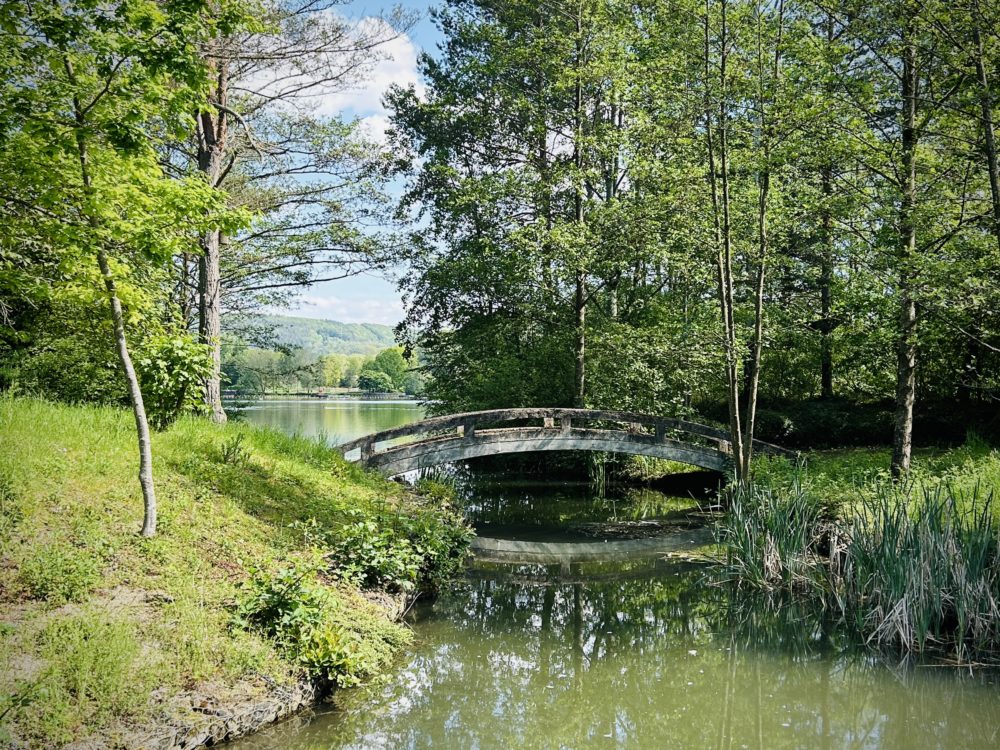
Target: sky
<point>371,298</point>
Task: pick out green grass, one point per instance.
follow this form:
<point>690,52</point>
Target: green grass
<point>93,617</point>
<point>840,478</point>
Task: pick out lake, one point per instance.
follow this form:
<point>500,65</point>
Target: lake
<point>333,420</point>
<point>579,626</point>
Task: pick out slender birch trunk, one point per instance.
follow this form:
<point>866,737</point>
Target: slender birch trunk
<point>906,344</point>
<point>118,321</point>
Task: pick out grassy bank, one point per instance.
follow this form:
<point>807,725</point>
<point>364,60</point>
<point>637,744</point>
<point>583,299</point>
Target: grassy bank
<point>911,567</point>
<point>253,581</point>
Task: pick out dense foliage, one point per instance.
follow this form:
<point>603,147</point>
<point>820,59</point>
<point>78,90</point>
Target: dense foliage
<point>675,205</point>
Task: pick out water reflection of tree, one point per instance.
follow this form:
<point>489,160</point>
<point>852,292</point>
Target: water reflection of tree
<point>656,663</point>
<point>509,503</point>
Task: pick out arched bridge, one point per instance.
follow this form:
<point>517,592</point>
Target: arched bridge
<point>474,434</point>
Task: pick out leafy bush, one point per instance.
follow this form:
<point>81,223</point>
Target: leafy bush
<point>172,368</point>
<point>370,554</point>
<point>400,552</point>
<point>312,626</point>
<point>59,573</point>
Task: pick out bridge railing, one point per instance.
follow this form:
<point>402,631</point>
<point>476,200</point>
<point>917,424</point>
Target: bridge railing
<point>564,421</point>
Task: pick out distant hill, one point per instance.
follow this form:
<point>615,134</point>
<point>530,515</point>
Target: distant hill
<point>330,336</point>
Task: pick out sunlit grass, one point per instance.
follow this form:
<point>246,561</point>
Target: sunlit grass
<point>70,511</point>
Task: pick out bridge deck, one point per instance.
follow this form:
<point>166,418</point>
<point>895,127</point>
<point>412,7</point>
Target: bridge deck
<point>475,434</point>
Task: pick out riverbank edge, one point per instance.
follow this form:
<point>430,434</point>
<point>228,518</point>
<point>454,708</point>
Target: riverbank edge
<point>233,498</point>
<point>200,720</point>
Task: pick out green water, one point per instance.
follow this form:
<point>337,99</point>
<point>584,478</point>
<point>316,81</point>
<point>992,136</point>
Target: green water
<point>336,421</point>
<point>547,643</point>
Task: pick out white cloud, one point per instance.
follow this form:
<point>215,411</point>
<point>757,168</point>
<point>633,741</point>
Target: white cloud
<point>331,307</point>
<point>397,64</point>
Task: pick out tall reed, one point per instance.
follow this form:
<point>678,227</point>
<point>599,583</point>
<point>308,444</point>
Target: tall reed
<point>911,569</point>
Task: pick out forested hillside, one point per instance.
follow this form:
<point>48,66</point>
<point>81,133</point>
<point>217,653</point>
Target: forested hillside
<point>322,337</point>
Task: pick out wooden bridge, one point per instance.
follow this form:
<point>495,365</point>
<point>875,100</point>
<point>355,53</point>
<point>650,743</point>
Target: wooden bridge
<point>457,437</point>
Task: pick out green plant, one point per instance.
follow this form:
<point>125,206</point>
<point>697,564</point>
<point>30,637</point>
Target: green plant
<point>400,551</point>
<point>94,673</point>
<point>916,567</point>
<point>924,570</point>
<point>234,452</point>
<point>11,513</point>
<point>59,572</point>
<point>172,368</point>
<point>771,537</point>
<point>305,619</point>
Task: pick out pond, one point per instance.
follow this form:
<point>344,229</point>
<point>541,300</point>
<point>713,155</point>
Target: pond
<point>579,626</point>
<point>334,420</point>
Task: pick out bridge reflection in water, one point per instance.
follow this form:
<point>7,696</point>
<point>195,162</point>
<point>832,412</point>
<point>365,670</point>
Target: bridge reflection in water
<point>475,434</point>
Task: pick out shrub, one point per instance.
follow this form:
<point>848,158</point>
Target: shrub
<point>400,552</point>
<point>172,368</point>
<point>312,626</point>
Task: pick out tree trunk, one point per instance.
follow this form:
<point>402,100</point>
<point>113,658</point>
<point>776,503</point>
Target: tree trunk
<point>763,240</point>
<point>825,289</point>
<point>580,374</point>
<point>989,136</point>
<point>210,319</point>
<point>580,300</point>
<point>135,396</point>
<point>212,132</point>
<point>906,345</point>
<point>723,237</point>
<point>121,344</point>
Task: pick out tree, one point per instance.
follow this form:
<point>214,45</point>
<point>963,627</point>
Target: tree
<point>391,362</point>
<point>86,94</point>
<point>313,181</point>
<point>375,381</point>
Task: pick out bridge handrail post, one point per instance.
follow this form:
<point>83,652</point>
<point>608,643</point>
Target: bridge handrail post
<point>565,424</point>
<point>367,450</point>
<point>469,428</point>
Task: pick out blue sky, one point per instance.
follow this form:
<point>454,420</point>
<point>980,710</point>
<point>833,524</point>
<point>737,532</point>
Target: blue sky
<point>371,298</point>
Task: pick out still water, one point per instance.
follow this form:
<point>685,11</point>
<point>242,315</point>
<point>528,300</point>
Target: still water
<point>334,420</point>
<point>578,626</point>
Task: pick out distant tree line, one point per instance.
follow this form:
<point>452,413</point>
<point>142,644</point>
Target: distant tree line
<point>251,371</point>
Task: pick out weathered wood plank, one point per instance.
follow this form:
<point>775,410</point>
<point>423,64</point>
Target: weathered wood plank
<point>471,422</point>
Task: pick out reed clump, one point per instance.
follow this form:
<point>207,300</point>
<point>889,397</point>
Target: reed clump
<point>911,569</point>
